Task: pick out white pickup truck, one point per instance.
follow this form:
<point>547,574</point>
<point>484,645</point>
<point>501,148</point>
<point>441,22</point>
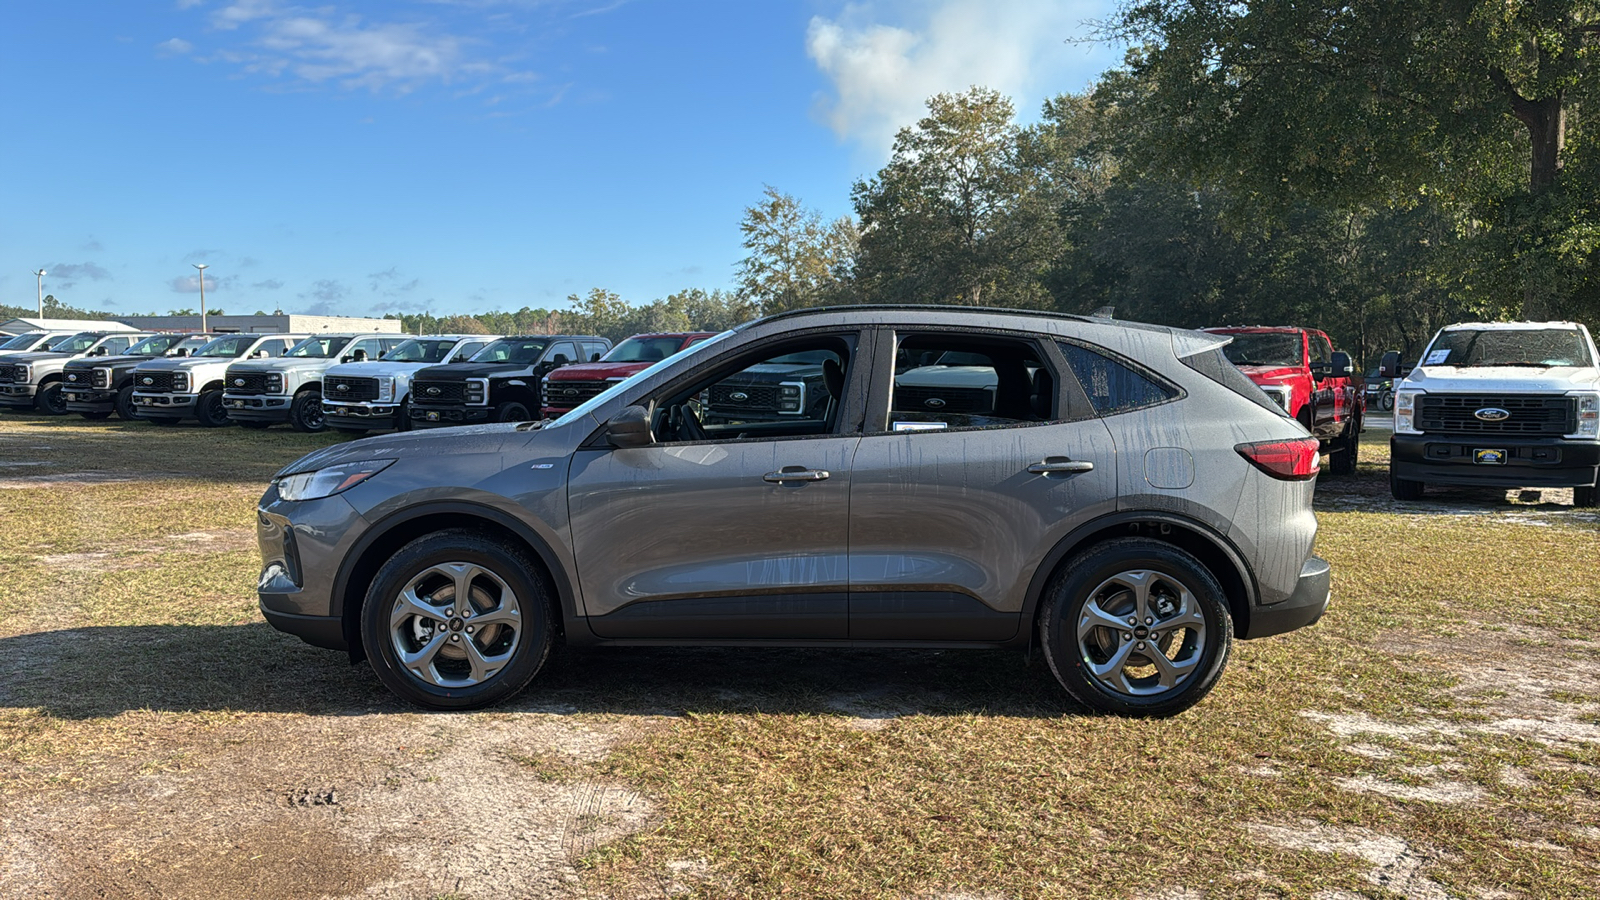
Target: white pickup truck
<point>1502,404</point>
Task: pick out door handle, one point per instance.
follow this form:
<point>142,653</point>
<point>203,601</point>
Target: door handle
<point>1058,466</point>
<point>795,473</point>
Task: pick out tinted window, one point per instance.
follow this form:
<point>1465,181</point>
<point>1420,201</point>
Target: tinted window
<point>594,350</point>
<point>637,349</point>
<point>423,350</point>
<point>522,351</point>
<point>564,353</point>
<point>1114,387</point>
<point>322,347</point>
<point>1214,365</point>
<point>20,342</point>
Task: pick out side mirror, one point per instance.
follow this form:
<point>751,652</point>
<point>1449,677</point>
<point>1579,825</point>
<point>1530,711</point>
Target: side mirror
<point>630,428</point>
<point>1389,367</point>
<point>1341,364</point>
<point>259,354</point>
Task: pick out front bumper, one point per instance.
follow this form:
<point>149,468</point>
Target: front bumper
<point>257,407</point>
<point>302,545</point>
<point>18,395</point>
<point>446,416</point>
<point>1304,607</point>
<point>163,405</point>
<point>360,415</point>
<point>1529,462</point>
<point>89,400</point>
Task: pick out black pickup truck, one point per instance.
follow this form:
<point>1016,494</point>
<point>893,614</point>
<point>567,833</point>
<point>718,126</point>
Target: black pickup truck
<point>95,387</point>
<point>500,383</point>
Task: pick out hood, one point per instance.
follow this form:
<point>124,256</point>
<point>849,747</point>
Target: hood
<point>465,370</point>
<point>1502,379</point>
<point>37,356</point>
<point>464,440</point>
<point>96,362</point>
<point>1270,374</point>
<point>948,376</point>
<point>279,364</point>
<point>598,371</point>
<point>375,369</point>
<point>183,363</point>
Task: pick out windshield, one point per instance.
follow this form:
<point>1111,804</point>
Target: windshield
<point>21,341</point>
<point>419,350</point>
<point>1265,349</point>
<point>511,350</point>
<point>808,358</point>
<point>582,410</point>
<point>643,349</point>
<point>1539,347</point>
<point>231,346</point>
<point>154,346</point>
<point>323,347</point>
<point>78,343</point>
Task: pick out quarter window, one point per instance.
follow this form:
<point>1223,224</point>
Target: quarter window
<point>1114,387</point>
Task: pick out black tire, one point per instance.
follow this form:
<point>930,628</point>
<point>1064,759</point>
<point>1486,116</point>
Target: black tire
<point>1586,497</point>
<point>511,411</point>
<point>402,416</point>
<point>306,414</point>
<point>252,425</point>
<point>1202,633</point>
<point>48,401</point>
<point>1346,450</point>
<point>209,411</point>
<point>1386,401</point>
<point>124,404</point>
<point>457,685</point>
<point>95,416</point>
<point>1405,489</point>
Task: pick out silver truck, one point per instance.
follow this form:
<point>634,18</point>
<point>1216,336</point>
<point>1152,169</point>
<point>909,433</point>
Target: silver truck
<point>167,391</point>
<point>361,397</point>
<point>30,341</point>
<point>262,393</point>
<point>34,380</point>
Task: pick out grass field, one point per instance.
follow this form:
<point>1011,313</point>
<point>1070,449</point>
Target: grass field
<point>1436,735</point>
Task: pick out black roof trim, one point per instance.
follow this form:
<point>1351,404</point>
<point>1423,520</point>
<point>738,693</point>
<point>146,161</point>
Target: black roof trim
<point>948,308</point>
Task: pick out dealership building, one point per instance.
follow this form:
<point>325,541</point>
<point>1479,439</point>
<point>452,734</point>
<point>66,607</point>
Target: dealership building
<point>285,323</point>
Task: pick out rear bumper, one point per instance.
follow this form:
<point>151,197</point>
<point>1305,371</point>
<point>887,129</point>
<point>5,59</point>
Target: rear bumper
<point>257,407</point>
<point>1304,607</point>
<point>1529,462</point>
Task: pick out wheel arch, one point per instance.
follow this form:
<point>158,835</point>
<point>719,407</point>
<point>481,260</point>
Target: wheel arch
<point>1205,543</point>
<point>385,538</point>
<point>216,384</point>
<point>309,386</point>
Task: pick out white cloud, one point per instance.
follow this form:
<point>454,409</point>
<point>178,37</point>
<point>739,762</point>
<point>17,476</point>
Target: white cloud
<point>174,47</point>
<point>883,71</point>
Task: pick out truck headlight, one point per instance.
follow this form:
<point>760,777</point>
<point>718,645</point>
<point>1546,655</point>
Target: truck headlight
<point>791,398</point>
<point>385,390</point>
<point>274,382</point>
<point>477,391</point>
<point>1279,394</point>
<point>180,381</point>
<point>24,374</point>
<point>1405,412</point>
<point>1588,415</point>
<point>101,378</point>
<point>332,480</point>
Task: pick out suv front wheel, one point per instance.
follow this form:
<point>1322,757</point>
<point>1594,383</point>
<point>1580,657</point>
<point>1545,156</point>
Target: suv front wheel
<point>1136,628</point>
<point>457,620</point>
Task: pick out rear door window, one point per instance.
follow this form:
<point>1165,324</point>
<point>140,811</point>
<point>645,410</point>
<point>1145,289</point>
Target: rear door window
<point>945,381</point>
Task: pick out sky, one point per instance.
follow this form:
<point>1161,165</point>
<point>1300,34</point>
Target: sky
<point>451,156</point>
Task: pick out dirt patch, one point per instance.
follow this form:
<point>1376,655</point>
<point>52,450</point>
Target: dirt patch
<point>1396,865</point>
<point>22,482</point>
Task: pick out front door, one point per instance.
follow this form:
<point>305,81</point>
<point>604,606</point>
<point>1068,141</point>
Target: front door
<point>725,529</point>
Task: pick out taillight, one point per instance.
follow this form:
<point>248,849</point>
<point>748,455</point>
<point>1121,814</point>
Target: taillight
<point>1291,460</point>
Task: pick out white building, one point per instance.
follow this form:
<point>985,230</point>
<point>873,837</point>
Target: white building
<point>31,323</point>
<point>287,323</point>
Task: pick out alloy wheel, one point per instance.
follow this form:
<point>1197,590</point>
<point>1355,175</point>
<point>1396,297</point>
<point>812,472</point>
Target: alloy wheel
<point>1141,633</point>
<point>455,625</point>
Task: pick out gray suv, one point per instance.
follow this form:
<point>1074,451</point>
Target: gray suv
<point>1129,502</point>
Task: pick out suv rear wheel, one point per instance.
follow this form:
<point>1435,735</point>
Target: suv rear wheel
<point>457,620</point>
<point>1136,627</point>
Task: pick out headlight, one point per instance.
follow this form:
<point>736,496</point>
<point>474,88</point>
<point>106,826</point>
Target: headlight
<point>1588,415</point>
<point>274,382</point>
<point>24,374</point>
<point>477,391</point>
<point>180,381</point>
<point>1279,394</point>
<point>102,378</point>
<point>329,481</point>
<point>1405,412</point>
<point>385,390</point>
<point>791,398</point>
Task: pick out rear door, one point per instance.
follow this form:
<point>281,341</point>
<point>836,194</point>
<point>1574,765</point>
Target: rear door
<point>967,477</point>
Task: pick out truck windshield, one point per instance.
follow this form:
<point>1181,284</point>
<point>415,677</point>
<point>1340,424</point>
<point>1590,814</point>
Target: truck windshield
<point>227,347</point>
<point>1264,348</point>
<point>21,342</point>
<point>511,350</point>
<point>78,343</point>
<point>319,347</point>
<point>1540,347</point>
<point>155,346</point>
<point>420,350</point>
<point>644,349</point>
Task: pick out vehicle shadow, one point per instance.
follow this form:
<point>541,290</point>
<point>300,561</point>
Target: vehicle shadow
<point>1368,491</point>
<point>83,673</point>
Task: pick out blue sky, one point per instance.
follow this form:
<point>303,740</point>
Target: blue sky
<point>462,155</point>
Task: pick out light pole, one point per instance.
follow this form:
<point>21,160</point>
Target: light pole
<point>202,267</point>
<point>41,274</point>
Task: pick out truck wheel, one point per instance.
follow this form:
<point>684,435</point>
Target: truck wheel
<point>124,404</point>
<point>402,416</point>
<point>49,400</point>
<point>1346,450</point>
<point>1404,489</point>
<point>1386,401</point>
<point>1586,497</point>
<point>1136,627</point>
<point>511,411</point>
<point>209,411</point>
<point>306,414</point>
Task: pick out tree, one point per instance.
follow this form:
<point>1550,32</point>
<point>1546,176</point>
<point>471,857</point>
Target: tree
<point>958,215</point>
<point>795,258</point>
<point>1373,102</point>
<point>462,325</point>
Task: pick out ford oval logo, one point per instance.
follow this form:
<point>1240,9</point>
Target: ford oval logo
<point>740,396</point>
<point>341,387</point>
<point>433,392</point>
<point>933,403</point>
<point>569,392</point>
<point>238,382</point>
<point>72,377</point>
<point>148,380</point>
<point>1492,414</point>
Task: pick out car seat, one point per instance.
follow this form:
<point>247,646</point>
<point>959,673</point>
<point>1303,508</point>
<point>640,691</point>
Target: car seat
<point>833,383</point>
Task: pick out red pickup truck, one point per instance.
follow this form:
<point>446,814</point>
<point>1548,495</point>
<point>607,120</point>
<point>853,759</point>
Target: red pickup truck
<point>568,386</point>
<point>1299,369</point>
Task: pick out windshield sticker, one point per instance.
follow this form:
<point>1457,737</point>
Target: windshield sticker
<point>1436,358</point>
<point>920,426</point>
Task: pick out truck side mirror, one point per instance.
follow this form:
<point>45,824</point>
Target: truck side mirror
<point>630,428</point>
<point>1389,367</point>
<point>1341,364</point>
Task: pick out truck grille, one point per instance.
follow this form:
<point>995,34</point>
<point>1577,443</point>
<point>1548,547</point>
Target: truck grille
<point>438,393</point>
<point>1529,414</point>
<point>941,399</point>
<point>362,388</point>
<point>8,374</point>
<point>246,383</point>
<point>744,396</point>
<point>153,382</point>
<point>567,394</point>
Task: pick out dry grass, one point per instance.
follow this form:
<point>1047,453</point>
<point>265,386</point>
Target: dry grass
<point>1438,734</point>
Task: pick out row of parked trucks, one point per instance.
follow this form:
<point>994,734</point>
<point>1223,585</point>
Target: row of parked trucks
<point>1501,404</point>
